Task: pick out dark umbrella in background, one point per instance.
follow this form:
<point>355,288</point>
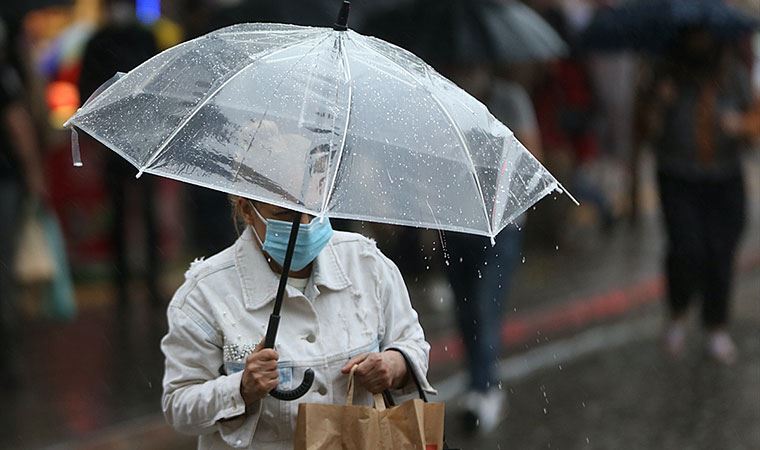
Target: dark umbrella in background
<point>653,25</point>
<point>315,13</point>
<point>462,32</point>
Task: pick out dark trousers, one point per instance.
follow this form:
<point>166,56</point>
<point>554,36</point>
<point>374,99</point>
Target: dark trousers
<point>120,183</point>
<point>703,221</point>
<point>480,277</point>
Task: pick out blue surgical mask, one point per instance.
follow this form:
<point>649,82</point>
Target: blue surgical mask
<point>312,238</point>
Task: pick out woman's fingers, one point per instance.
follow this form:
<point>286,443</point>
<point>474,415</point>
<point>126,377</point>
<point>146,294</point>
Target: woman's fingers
<point>353,361</point>
<point>370,364</point>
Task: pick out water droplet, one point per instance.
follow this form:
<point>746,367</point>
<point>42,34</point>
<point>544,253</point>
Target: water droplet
<point>523,260</point>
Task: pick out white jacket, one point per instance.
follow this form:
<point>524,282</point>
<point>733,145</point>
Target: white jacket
<point>355,302</point>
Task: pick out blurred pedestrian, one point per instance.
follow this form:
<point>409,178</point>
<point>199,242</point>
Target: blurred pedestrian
<point>481,273</point>
<point>696,105</point>
<point>566,106</point>
<point>21,174</point>
<point>346,304</point>
<point>120,45</point>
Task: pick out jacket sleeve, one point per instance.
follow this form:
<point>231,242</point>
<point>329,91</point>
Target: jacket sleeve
<point>196,398</point>
<point>403,331</point>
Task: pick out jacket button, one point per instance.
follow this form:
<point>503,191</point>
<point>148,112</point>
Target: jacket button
<point>311,338</point>
<point>322,391</point>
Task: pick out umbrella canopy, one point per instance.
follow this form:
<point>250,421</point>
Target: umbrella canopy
<point>462,32</point>
<point>653,25</point>
<point>325,122</point>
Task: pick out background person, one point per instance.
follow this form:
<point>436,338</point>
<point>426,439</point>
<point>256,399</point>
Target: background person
<point>21,174</point>
<point>700,96</point>
<point>120,45</point>
<point>480,273</point>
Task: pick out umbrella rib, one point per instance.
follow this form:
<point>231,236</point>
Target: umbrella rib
<point>347,73</point>
<point>457,130</point>
<point>208,98</point>
<point>266,111</point>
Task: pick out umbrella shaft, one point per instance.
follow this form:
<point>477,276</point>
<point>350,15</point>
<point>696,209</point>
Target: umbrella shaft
<point>274,319</point>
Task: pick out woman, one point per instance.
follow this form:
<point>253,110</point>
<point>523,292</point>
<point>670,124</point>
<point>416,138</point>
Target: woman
<point>701,95</point>
<point>345,304</point>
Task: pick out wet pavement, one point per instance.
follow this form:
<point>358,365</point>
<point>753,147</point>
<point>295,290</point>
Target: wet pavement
<point>630,396</point>
<point>96,382</point>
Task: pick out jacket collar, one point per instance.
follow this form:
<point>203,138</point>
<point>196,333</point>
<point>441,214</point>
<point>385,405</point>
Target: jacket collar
<point>259,282</point>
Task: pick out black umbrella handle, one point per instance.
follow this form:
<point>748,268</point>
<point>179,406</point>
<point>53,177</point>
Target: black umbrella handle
<point>274,319</point>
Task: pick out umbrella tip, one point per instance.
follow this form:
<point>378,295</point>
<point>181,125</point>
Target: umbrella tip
<point>342,23</point>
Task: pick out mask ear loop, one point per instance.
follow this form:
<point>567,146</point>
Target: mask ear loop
<point>256,233</point>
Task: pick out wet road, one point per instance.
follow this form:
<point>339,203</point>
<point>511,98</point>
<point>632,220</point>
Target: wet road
<point>629,396</point>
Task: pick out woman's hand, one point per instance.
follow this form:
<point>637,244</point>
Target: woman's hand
<point>260,375</point>
<point>378,371</point>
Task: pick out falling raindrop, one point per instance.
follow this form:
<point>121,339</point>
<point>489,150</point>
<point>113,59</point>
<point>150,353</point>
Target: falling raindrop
<point>523,260</point>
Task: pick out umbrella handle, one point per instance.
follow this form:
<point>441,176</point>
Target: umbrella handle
<point>300,391</point>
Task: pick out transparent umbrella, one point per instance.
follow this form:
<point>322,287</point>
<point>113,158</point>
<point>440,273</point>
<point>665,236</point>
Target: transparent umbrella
<point>323,121</point>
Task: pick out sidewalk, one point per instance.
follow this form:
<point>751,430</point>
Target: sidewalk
<point>96,382</point>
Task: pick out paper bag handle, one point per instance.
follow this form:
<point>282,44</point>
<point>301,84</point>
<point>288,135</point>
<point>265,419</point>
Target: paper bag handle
<point>379,399</point>
<point>350,393</point>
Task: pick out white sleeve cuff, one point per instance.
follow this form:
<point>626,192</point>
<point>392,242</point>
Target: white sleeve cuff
<point>235,426</point>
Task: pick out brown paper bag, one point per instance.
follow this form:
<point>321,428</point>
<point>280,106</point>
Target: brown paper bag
<point>413,425</point>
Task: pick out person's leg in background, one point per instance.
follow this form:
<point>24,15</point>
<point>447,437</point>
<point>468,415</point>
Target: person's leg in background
<point>684,260</point>
<point>480,277</point>
<point>462,273</point>
<point>724,215</point>
<point>149,191</point>
<point>10,221</point>
<point>117,186</point>
<point>491,292</point>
